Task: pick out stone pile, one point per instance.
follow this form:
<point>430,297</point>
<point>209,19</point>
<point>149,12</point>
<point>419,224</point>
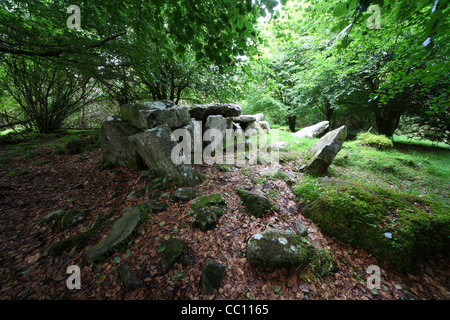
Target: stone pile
<point>141,136</point>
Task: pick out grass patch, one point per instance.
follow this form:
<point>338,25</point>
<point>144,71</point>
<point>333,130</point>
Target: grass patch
<point>16,173</point>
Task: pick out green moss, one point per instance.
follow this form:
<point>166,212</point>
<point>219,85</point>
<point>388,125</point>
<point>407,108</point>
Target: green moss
<point>380,142</point>
<point>79,240</point>
<point>171,252</point>
<point>399,229</point>
<point>256,205</point>
<point>206,210</point>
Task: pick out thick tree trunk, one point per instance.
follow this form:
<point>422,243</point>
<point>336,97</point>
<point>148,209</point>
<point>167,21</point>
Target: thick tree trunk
<point>387,118</point>
<point>292,120</point>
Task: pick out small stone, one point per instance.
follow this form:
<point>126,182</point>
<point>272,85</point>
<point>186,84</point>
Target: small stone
<point>129,279</point>
<point>256,204</point>
<point>212,274</point>
<point>184,194</point>
<point>171,252</point>
<point>300,228</point>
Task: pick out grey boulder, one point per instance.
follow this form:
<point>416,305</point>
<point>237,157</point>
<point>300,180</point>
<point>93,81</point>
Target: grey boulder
<point>322,153</point>
<point>155,147</point>
<point>312,131</point>
<point>115,145</point>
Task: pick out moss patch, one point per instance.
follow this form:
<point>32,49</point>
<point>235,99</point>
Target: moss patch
<point>380,142</point>
<point>398,229</point>
<point>207,210</point>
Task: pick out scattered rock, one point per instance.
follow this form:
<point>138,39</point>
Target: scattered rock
<point>130,281</point>
<point>256,204</point>
<point>277,249</point>
<point>121,230</point>
<point>323,152</point>
<point>171,252</point>
<point>206,211</point>
<point>154,206</point>
<point>184,194</point>
<point>287,177</point>
<point>212,274</point>
<point>300,228</point>
<point>312,131</point>
<point>65,218</point>
<point>78,186</point>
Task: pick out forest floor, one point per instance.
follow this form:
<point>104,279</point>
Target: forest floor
<point>36,180</point>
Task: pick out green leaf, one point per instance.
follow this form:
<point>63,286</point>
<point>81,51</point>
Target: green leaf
<point>161,249</point>
<point>340,9</point>
<point>277,290</point>
<point>127,254</point>
<point>26,271</point>
<point>117,259</point>
<point>162,223</point>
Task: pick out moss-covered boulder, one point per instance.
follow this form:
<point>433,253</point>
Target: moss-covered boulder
<point>277,249</point>
<point>399,229</point>
<point>212,274</point>
<point>206,211</point>
<point>256,204</point>
<point>171,252</point>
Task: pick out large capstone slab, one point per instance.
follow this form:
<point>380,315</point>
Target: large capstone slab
<point>151,114</point>
<point>203,111</point>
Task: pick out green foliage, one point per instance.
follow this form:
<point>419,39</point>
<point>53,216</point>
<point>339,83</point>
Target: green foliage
<point>380,142</point>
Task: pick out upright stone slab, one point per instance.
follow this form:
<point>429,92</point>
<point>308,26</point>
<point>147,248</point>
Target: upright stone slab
<point>253,128</point>
<point>155,147</point>
<point>115,145</point>
<point>265,126</point>
<point>151,114</point>
<point>312,131</point>
<point>323,152</point>
<point>217,122</point>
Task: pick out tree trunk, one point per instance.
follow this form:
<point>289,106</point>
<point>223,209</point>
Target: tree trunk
<point>387,118</point>
<point>292,120</point>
